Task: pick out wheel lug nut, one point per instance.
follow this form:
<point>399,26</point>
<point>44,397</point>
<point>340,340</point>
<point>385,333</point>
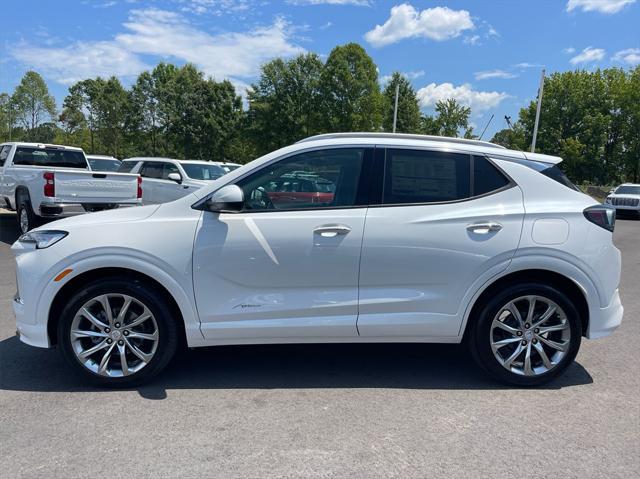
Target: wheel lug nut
<point>519,333</point>
<point>524,342</point>
<point>117,325</point>
<point>536,330</point>
<point>126,333</point>
<point>527,326</point>
<point>121,342</point>
<point>107,330</point>
<point>109,341</point>
<point>535,341</point>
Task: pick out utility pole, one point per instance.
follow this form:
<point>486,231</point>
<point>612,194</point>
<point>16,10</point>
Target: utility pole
<point>395,107</point>
<point>535,126</point>
<point>485,127</point>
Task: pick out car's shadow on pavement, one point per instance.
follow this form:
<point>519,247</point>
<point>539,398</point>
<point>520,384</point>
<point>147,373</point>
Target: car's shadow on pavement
<point>401,366</point>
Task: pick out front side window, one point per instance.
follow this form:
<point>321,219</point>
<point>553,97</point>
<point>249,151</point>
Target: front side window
<point>152,169</point>
<point>49,157</point>
<point>168,169</point>
<point>318,179</point>
<point>417,176</point>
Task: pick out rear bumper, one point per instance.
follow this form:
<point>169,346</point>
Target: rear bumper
<point>63,210</point>
<point>604,321</point>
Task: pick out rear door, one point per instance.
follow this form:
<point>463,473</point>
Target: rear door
<point>151,173</point>
<point>444,222</point>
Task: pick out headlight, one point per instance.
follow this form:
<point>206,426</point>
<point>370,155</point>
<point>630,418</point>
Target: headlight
<point>607,200</point>
<point>42,239</point>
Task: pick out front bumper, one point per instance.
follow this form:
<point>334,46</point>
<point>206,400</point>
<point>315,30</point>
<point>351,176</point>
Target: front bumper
<point>31,334</point>
<point>604,321</point>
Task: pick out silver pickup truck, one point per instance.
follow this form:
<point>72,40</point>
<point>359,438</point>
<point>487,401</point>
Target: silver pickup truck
<point>54,181</point>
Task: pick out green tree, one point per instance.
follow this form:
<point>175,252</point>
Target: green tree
<point>32,104</point>
<point>84,99</point>
<point>350,91</point>
<point>112,109</point>
<point>408,117</point>
<point>452,117</point>
<point>6,117</point>
<point>285,104</point>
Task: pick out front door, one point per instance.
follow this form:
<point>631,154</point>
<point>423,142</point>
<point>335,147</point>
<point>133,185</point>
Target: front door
<point>286,267</point>
<point>446,222</point>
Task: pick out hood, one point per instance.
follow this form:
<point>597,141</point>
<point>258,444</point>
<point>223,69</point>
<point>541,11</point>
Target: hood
<point>623,195</point>
<point>119,215</point>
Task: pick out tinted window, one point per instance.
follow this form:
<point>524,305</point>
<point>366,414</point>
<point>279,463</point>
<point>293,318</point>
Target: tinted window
<point>203,172</point>
<point>4,153</point>
<point>622,190</point>
<point>486,177</point>
<point>414,176</point>
<point>551,171</point>
<point>319,179</point>
<point>152,169</point>
<point>99,164</point>
<point>127,166</point>
<point>53,157</point>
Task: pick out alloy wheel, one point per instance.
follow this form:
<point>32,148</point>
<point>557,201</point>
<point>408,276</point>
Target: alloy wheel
<point>530,335</point>
<point>114,335</point>
<point>24,220</point>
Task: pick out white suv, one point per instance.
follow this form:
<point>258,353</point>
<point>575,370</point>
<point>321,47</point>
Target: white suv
<point>166,179</point>
<point>625,198</point>
<point>408,239</point>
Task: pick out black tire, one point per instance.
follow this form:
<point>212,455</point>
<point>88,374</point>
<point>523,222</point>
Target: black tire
<point>24,208</point>
<point>479,333</point>
<point>168,333</point>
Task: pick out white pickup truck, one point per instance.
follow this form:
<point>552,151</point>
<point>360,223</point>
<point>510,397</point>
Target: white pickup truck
<point>54,181</point>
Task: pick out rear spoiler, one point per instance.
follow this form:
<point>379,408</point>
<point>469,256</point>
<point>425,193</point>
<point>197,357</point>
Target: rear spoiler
<point>553,160</point>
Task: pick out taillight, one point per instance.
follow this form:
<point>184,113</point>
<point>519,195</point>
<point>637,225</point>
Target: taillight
<point>139,187</point>
<point>49,184</point>
<point>602,215</point>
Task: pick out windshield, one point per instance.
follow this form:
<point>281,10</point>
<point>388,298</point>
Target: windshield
<point>202,172</point>
<point>99,164</point>
<point>628,190</point>
<point>49,157</point>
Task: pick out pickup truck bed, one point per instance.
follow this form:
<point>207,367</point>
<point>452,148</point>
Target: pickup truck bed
<point>54,181</point>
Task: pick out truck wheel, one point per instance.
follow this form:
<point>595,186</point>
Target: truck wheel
<point>26,219</point>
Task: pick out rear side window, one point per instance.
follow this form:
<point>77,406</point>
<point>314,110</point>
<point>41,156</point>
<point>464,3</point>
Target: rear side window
<point>416,176</point>
<point>4,154</point>
<point>551,171</point>
<point>486,177</point>
<point>49,157</point>
<point>127,166</point>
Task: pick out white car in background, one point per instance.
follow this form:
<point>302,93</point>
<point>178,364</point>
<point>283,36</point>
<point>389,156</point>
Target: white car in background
<point>625,197</point>
<point>417,239</point>
<point>103,163</point>
<point>167,179</point>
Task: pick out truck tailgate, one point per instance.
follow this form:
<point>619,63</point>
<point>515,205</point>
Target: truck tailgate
<point>95,187</point>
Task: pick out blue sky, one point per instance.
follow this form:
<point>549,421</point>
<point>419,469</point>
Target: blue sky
<point>487,54</point>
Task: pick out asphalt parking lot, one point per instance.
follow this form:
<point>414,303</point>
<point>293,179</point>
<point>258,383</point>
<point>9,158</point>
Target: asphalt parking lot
<point>324,411</point>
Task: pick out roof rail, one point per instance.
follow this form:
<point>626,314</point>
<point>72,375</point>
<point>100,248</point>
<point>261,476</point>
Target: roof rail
<point>402,136</point>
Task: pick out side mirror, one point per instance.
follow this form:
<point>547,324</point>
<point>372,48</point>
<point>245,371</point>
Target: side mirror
<point>228,199</point>
<point>175,177</point>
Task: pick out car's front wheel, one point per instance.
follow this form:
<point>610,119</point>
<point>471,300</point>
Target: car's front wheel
<point>526,334</point>
<point>117,332</point>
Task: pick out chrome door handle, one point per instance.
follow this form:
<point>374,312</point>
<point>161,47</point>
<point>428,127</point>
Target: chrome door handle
<point>329,231</point>
<point>484,228</point>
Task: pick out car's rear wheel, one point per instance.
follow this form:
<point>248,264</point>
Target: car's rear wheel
<point>117,332</point>
<point>27,220</point>
<point>526,334</point>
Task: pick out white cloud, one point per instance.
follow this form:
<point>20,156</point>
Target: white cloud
<point>526,65</point>
<point>588,55</point>
<point>472,40</point>
<point>465,94</point>
<point>569,50</point>
<point>361,3</point>
<point>490,74</point>
<point>438,23</point>
<point>602,6</point>
<point>631,56</point>
<point>414,75</point>
<point>215,7</point>
<point>167,35</point>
